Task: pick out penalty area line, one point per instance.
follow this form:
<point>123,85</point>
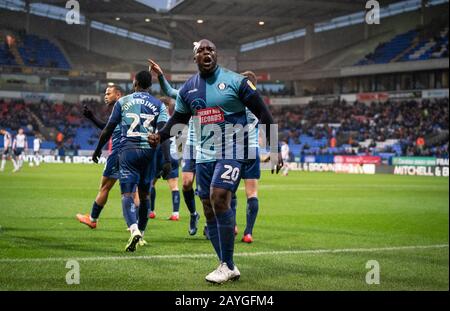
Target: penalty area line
<point>245,254</point>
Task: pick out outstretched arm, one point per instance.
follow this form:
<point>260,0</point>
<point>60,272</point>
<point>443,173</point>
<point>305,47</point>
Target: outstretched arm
<point>167,88</point>
<point>89,115</point>
<point>165,146</point>
<point>165,85</point>
<point>106,134</point>
<point>104,137</point>
<point>181,115</point>
<point>164,134</point>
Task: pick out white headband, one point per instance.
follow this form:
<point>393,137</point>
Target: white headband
<point>196,45</point>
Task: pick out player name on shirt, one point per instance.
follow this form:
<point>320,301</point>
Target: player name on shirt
<point>143,102</point>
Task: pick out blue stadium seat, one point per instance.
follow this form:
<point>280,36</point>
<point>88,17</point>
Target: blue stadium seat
<point>386,52</point>
<point>6,58</point>
<point>435,47</point>
<point>83,136</point>
<point>38,52</point>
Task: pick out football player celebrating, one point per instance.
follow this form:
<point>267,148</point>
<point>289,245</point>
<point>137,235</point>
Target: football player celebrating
<point>136,114</point>
<point>111,171</point>
<point>218,98</point>
<point>188,161</point>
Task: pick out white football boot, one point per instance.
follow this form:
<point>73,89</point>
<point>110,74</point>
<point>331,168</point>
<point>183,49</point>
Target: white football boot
<point>223,274</point>
<point>133,241</point>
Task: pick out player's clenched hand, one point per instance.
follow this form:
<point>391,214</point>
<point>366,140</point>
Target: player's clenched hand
<point>87,112</point>
<point>277,163</point>
<point>153,140</point>
<point>166,169</point>
<point>154,67</point>
<point>96,156</point>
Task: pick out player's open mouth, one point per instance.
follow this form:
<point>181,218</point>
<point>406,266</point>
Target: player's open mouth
<point>207,61</point>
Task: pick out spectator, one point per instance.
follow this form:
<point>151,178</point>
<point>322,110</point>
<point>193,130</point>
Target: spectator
<point>59,139</point>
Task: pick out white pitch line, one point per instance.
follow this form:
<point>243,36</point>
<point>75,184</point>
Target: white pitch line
<point>251,254</point>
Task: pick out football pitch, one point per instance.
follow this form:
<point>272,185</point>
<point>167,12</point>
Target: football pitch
<point>315,231</point>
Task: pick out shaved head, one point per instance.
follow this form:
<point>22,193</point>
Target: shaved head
<point>203,41</point>
<point>205,56</point>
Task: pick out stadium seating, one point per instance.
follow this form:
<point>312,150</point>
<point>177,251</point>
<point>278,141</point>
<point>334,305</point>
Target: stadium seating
<point>409,47</point>
<point>40,52</point>
<point>6,58</point>
<point>31,51</point>
<point>86,138</point>
<point>386,52</point>
<point>435,47</point>
<point>390,127</point>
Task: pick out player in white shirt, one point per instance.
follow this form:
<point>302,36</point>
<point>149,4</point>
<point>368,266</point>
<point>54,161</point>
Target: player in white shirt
<point>36,148</point>
<point>20,145</point>
<point>285,156</point>
<point>7,143</point>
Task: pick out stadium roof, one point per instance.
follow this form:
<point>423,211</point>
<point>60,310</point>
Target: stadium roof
<point>229,23</point>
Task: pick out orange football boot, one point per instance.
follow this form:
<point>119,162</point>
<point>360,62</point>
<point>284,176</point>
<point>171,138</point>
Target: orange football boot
<point>86,219</point>
<point>247,238</point>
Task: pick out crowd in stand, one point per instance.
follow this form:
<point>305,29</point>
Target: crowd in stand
<point>63,117</point>
<point>406,121</point>
<point>14,115</point>
<point>413,123</point>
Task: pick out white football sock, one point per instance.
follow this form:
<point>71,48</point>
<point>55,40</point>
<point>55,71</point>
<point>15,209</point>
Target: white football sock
<point>133,228</point>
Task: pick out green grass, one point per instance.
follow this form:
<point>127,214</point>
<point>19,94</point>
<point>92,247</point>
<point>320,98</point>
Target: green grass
<point>304,211</point>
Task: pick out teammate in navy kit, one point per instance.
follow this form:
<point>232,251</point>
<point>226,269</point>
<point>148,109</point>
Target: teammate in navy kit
<point>172,178</point>
<point>137,115</point>
<point>188,157</point>
<point>217,98</point>
<point>111,171</point>
<point>251,171</point>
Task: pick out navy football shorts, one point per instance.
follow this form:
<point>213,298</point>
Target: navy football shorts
<point>160,162</point>
<point>188,166</point>
<point>188,163</point>
<point>18,151</point>
<point>224,174</point>
<point>251,169</point>
<point>112,166</point>
<point>7,151</point>
<point>136,169</point>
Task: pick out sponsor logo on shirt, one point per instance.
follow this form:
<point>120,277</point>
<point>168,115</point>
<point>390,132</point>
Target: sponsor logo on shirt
<point>210,115</point>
